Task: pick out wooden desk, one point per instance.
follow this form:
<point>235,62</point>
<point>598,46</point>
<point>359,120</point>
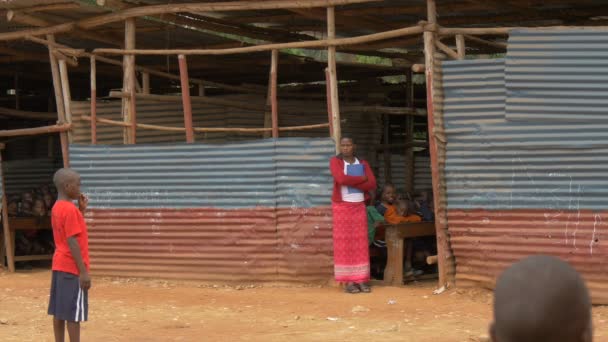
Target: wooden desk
<point>26,223</point>
<point>395,236</point>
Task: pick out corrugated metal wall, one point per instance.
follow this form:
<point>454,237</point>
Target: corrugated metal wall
<point>537,184</point>
<point>250,211</point>
<point>24,175</point>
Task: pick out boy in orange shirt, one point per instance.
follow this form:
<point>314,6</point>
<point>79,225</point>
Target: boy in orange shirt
<point>71,282</point>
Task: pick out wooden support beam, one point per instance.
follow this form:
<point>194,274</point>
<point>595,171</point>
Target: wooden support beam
<point>7,236</point>
<point>333,78</point>
<point>429,62</point>
<point>35,131</point>
<point>502,46</point>
<point>59,102</point>
<point>128,85</point>
<point>17,91</point>
<point>273,93</point>
<point>93,101</point>
<point>330,42</point>
<point>70,61</point>
<point>185,87</point>
<point>481,31</point>
<point>201,89</point>
<point>453,54</point>
<point>460,46</point>
<point>208,129</point>
<point>145,81</point>
<point>329,107</point>
<point>65,91</point>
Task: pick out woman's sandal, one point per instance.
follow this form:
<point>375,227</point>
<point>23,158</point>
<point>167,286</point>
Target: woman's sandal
<point>364,288</point>
<point>352,288</point>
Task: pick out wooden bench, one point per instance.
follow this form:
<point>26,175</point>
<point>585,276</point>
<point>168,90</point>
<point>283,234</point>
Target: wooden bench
<point>25,223</point>
<point>395,236</point>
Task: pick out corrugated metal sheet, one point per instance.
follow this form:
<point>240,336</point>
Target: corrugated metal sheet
<point>253,211</point>
<point>528,186</point>
<point>558,75</point>
<point>27,174</point>
<point>422,172</point>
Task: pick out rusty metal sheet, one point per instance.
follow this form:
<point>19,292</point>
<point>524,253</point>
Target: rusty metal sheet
<point>520,187</point>
<point>252,211</point>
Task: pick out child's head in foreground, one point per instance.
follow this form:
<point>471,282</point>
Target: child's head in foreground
<point>67,182</point>
<point>541,298</point>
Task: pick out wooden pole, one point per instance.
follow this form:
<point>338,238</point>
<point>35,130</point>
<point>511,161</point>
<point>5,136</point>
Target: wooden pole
<point>333,77</point>
<point>8,238</point>
<point>93,101</point>
<point>273,93</point>
<point>453,54</point>
<point>67,97</point>
<point>183,72</point>
<point>502,46</point>
<point>201,89</point>
<point>145,81</point>
<point>330,42</point>
<point>65,127</point>
<point>460,46</point>
<point>429,62</point>
<point>409,136</point>
<point>197,99</point>
<point>328,94</point>
<point>59,102</point>
<point>128,84</point>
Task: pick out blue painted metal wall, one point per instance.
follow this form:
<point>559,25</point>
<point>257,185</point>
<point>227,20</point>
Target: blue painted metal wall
<point>263,173</point>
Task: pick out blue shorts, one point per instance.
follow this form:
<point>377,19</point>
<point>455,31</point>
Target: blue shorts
<point>68,301</point>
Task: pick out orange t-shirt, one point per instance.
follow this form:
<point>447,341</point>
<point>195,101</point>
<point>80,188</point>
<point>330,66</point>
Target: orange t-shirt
<point>68,221</point>
<point>391,216</point>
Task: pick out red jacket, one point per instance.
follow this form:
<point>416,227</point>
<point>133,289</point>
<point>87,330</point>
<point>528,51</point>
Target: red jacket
<point>336,166</point>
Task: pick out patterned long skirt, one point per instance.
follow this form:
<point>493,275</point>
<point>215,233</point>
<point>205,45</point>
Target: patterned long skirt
<point>351,250</point>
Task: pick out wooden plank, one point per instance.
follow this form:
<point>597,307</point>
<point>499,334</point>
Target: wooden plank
<point>67,97</point>
<point>128,85</point>
<point>273,93</point>
<point>460,46</point>
<point>35,131</point>
<point>186,102</point>
<point>93,101</point>
<point>58,101</point>
<point>8,245</point>
<point>333,78</point>
<point>25,223</point>
<point>395,236</point>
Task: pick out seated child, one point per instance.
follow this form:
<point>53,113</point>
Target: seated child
<point>402,212</point>
<point>424,206</point>
<point>387,197</point>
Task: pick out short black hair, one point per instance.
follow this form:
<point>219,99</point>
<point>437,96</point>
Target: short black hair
<point>347,136</point>
<point>541,298</point>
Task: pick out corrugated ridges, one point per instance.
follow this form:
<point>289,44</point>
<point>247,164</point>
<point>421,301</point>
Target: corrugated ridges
<point>290,172</point>
<point>205,244</point>
<point>27,174</point>
<point>558,75</point>
<point>498,164</point>
<point>486,242</point>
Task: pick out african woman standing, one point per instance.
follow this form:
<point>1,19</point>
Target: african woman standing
<point>353,180</point>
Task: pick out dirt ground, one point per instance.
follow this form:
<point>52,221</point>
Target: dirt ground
<point>154,310</point>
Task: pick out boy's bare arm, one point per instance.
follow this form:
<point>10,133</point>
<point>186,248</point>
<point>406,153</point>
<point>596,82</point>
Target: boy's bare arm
<point>85,279</point>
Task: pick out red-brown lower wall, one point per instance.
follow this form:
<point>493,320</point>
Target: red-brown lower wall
<point>486,242</point>
<point>262,244</point>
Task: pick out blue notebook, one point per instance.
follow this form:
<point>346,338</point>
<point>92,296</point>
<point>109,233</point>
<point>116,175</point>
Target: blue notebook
<point>355,170</point>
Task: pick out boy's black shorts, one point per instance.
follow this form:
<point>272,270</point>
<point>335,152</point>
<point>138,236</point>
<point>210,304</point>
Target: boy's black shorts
<point>68,301</point>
